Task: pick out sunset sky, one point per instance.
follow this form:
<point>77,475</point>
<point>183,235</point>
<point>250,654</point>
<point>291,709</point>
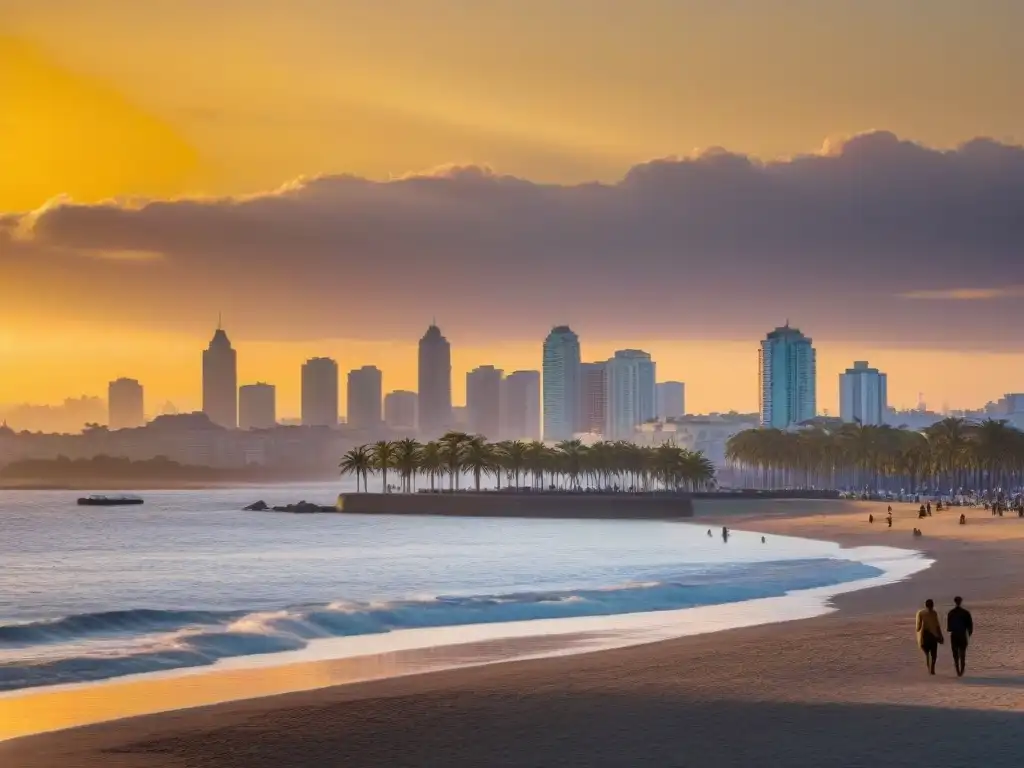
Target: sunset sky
<point>331,174</point>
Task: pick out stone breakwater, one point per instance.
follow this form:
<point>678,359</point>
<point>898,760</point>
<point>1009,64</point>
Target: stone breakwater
<point>597,506</point>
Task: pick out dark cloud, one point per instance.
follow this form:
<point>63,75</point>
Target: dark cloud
<point>718,245</point>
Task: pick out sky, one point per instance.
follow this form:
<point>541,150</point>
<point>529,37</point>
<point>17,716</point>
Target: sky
<point>676,175</point>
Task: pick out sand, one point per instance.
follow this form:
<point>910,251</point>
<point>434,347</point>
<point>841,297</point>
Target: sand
<point>846,689</point>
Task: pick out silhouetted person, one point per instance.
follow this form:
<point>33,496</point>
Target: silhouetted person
<point>929,634</point>
<point>709,533</point>
<point>871,518</point>
<point>725,533</point>
<point>963,519</point>
<point>960,626</point>
<point>928,508</point>
<point>764,540</point>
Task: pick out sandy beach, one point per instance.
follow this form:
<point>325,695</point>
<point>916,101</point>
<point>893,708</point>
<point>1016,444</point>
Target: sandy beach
<point>845,689</point>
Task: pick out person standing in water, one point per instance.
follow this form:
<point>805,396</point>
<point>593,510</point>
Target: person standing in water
<point>725,533</point>
<point>929,634</point>
<point>960,626</point>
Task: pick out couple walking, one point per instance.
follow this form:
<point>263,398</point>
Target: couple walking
<point>960,627</point>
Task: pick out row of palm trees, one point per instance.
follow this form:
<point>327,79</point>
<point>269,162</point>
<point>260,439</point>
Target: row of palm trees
<point>951,454</point>
<point>569,464</point>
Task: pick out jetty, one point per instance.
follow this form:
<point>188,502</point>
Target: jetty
<point>573,505</point>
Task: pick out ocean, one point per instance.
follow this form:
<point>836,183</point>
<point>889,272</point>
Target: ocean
<point>189,580</point>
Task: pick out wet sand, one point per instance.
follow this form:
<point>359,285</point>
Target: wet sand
<point>845,689</point>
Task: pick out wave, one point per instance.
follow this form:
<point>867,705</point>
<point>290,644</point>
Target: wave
<point>179,639</point>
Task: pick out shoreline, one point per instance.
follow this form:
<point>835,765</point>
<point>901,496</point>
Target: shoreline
<point>398,653</point>
<point>869,606</point>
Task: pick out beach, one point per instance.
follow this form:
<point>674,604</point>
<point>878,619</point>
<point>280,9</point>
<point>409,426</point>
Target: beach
<point>848,688</point>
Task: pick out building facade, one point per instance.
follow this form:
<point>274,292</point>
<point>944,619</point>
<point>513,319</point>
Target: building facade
<point>520,412</point>
<point>593,399</point>
<point>257,406</point>
<point>320,392</point>
<point>125,404</point>
<point>671,400</point>
<point>630,393</point>
<point>863,395</point>
<point>365,395</point>
<point>435,384</point>
<point>220,381</point>
<point>561,358</point>
<point>400,411</point>
<point>787,378</point>
<point>483,401</point>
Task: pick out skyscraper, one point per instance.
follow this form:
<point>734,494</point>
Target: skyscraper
<point>125,404</point>
<point>561,383</point>
<point>257,406</point>
<point>863,395</point>
<point>630,393</point>
<point>647,393</point>
<point>593,398</point>
<point>787,378</point>
<point>483,401</point>
<point>435,384</point>
<point>220,381</point>
<point>400,410</point>
<point>671,400</point>
<point>365,389</point>
<point>521,406</point>
<point>320,392</point>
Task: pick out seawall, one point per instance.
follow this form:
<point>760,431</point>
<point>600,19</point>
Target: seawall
<point>580,506</point>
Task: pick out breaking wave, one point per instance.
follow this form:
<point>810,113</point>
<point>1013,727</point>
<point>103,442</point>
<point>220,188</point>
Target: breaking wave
<point>97,646</point>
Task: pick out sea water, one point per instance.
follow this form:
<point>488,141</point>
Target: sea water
<point>189,580</point>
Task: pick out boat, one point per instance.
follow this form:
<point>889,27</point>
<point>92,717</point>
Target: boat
<point>108,501</point>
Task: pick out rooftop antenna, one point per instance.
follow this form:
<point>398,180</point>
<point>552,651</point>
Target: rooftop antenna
<point>219,326</point>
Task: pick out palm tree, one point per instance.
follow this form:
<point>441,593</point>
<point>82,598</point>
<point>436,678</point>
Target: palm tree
<point>451,449</point>
<point>571,457</point>
<point>432,461</point>
<point>514,457</point>
<point>384,454</point>
<point>478,456</point>
<point>357,462</point>
<point>407,458</point>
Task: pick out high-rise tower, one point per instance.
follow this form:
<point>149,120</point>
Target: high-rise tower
<point>561,383</point>
<point>320,392</point>
<point>787,375</point>
<point>435,384</point>
<point>220,381</point>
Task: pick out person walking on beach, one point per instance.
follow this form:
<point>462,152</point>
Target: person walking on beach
<point>960,625</point>
<point>929,634</point>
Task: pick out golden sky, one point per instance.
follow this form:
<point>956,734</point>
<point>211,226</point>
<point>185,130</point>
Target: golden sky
<point>163,98</point>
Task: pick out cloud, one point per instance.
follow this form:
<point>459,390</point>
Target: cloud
<point>713,245</point>
<point>967,294</point>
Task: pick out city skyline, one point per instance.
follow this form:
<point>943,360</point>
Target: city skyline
<point>913,392</point>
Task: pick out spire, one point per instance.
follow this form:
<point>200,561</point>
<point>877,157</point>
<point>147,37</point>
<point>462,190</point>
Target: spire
<point>220,325</point>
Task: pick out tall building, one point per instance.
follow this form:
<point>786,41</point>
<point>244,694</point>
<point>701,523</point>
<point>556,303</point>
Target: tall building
<point>257,406</point>
<point>320,392</point>
<point>647,393</point>
<point>521,406</point>
<point>671,400</point>
<point>365,390</point>
<point>593,398</point>
<point>125,404</point>
<point>787,378</point>
<point>863,395</point>
<point>400,410</point>
<point>630,393</point>
<point>435,384</point>
<point>220,381</point>
<point>561,383</point>
<point>483,401</point>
